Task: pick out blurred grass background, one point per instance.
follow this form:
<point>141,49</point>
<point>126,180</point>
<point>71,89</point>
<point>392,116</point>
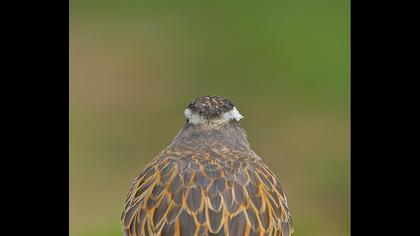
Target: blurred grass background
<point>135,65</point>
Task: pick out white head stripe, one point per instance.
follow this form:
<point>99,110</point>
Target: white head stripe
<point>232,115</point>
<point>197,119</point>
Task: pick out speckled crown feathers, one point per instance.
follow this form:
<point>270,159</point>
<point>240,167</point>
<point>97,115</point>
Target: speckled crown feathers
<point>210,107</point>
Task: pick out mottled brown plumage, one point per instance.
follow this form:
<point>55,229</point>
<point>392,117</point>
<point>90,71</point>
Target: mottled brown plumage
<point>208,181</point>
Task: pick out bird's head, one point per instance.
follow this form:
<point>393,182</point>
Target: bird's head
<point>211,110</point>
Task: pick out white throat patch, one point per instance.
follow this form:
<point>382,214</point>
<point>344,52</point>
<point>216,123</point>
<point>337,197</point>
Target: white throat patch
<point>227,116</point>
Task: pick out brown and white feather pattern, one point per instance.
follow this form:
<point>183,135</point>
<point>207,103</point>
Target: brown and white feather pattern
<point>213,192</point>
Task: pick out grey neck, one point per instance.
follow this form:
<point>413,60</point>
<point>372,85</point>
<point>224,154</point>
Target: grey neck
<point>199,137</point>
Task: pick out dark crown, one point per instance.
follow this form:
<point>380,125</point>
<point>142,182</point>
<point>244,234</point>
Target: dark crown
<point>210,106</point>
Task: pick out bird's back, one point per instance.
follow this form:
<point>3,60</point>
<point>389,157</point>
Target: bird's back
<point>212,191</point>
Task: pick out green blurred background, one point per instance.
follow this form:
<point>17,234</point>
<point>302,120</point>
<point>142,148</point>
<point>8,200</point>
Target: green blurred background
<point>135,65</point>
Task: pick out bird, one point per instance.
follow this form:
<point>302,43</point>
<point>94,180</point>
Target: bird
<point>207,181</point>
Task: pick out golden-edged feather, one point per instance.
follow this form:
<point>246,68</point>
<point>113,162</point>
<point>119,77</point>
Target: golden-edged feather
<point>216,192</point>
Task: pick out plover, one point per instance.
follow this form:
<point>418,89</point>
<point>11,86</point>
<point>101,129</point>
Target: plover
<point>208,181</point>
